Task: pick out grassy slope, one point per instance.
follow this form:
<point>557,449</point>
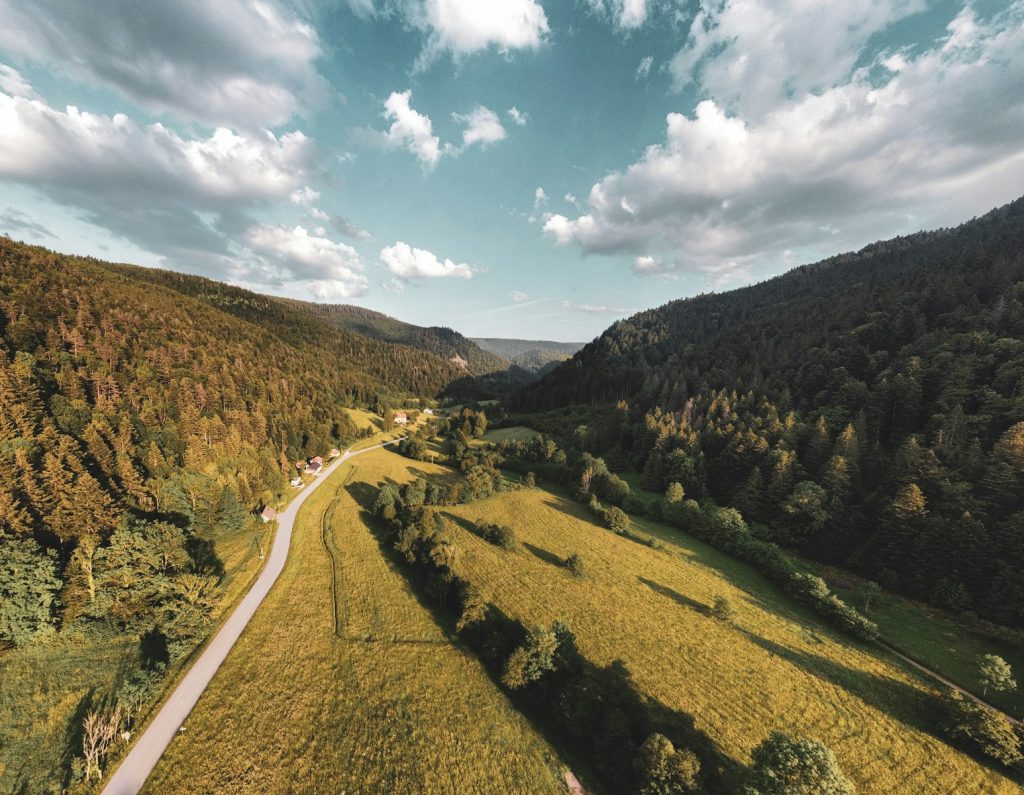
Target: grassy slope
<point>520,432</point>
<point>948,644</point>
<point>778,668</point>
<point>46,689</point>
<point>390,706</point>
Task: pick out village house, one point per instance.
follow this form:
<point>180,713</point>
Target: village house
<point>296,481</point>
<point>315,465</point>
<point>268,514</point>
<point>335,452</point>
<point>401,418</point>
<point>428,412</point>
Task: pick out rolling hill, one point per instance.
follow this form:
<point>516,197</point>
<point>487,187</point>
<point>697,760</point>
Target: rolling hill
<point>536,356</point>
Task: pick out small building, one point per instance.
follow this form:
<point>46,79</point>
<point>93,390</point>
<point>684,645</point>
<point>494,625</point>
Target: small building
<point>317,459</point>
<point>300,465</point>
<point>335,452</point>
<point>314,466</point>
<point>428,412</point>
<point>401,418</point>
<point>297,481</point>
<point>268,514</point>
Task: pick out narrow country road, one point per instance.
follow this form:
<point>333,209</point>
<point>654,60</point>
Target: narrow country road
<point>147,750</point>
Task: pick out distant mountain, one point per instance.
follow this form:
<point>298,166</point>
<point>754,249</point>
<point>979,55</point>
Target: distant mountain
<point>470,358</point>
<point>535,356</point>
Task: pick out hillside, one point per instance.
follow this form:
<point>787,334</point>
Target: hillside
<point>536,356</point>
<point>464,353</point>
<point>144,416</point>
<point>867,409</point>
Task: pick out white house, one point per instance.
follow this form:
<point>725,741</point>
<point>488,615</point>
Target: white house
<point>401,418</point>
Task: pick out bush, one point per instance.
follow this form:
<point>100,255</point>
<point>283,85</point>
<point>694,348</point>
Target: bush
<point>574,563</point>
<point>664,770</point>
<point>499,535</point>
<point>616,520</point>
<point>784,766</point>
<point>982,727</point>
<point>723,610</point>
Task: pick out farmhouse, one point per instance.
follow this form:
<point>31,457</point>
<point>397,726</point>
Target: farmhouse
<point>268,514</point>
<point>401,418</point>
<point>296,481</point>
<point>315,465</point>
<point>428,412</point>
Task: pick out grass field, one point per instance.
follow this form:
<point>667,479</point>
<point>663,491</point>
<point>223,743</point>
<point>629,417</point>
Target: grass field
<point>365,419</point>
<point>778,667</point>
<point>367,694</point>
<point>937,639</point>
<point>45,689</point>
<point>519,432</point>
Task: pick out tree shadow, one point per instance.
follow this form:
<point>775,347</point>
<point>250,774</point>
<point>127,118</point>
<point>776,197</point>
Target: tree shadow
<point>73,734</point>
<point>544,555</point>
<point>204,557</point>
<point>677,597</point>
<point>903,702</point>
<point>153,651</point>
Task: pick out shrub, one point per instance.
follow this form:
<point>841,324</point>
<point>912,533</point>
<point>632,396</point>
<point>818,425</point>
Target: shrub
<point>499,535</point>
<point>616,520</point>
<point>723,610</point>
<point>574,563</point>
<point>664,770</point>
<point>784,766</point>
<point>984,728</point>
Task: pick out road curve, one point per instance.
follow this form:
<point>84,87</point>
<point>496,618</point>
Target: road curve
<point>135,768</point>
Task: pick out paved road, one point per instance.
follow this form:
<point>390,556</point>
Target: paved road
<point>136,767</point>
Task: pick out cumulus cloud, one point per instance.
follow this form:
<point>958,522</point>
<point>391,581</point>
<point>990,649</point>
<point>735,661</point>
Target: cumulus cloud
<point>11,82</point>
<point>186,199</point>
<point>460,27</point>
<point>294,257</point>
<point>518,296</point>
<point>624,14</point>
<point>234,62</point>
<point>411,129</point>
<point>482,126</point>
<point>643,69</point>
<point>518,117</point>
<point>406,263</point>
<point>938,139</point>
<point>752,54</point>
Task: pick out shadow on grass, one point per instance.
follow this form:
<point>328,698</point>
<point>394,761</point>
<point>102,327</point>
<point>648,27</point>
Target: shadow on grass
<point>907,704</point>
<point>677,597</point>
<point>594,716</point>
<point>543,554</point>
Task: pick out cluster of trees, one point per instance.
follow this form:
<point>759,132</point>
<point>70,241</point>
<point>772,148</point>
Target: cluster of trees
<point>595,711</point>
<point>868,410</point>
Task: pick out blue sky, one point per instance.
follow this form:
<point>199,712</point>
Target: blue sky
<point>509,168</point>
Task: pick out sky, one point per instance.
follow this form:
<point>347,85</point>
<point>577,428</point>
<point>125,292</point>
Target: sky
<point>508,168</point>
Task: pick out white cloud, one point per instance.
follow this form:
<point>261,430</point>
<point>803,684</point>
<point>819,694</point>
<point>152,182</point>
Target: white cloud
<point>750,55</point>
<point>288,255</point>
<point>643,69</point>
<point>596,309</point>
<point>234,62</point>
<point>406,262</point>
<point>11,82</point>
<point>482,126</point>
<point>539,198</point>
<point>633,13</point>
<point>460,27</point>
<point>186,199</point>
<point>305,196</point>
<point>518,296</point>
<point>411,129</point>
<point>518,117</point>
<point>938,139</point>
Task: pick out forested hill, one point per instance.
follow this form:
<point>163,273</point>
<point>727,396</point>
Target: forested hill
<point>440,341</point>
<point>144,411</point>
<point>537,356</point>
<point>868,409</point>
